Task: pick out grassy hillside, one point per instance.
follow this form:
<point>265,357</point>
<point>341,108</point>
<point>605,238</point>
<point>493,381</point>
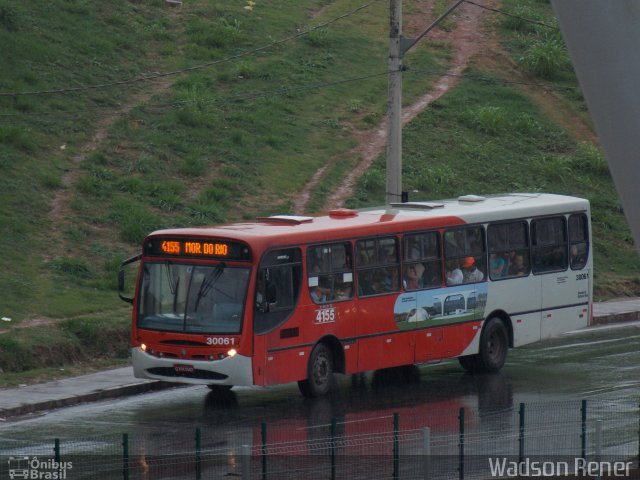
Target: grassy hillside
<point>85,174</point>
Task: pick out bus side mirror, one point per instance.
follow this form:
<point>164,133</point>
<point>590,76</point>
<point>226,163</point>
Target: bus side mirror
<point>121,282</point>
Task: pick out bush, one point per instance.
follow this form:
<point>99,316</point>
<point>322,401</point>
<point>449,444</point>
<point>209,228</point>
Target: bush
<point>17,137</point>
<point>546,58</point>
<point>136,221</point>
<point>488,119</point>
<point>589,158</point>
<point>520,20</point>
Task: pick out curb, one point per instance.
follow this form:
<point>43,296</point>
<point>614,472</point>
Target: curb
<point>94,396</point>
<point>616,318</point>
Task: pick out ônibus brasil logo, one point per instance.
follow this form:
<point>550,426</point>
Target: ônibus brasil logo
<point>33,468</point>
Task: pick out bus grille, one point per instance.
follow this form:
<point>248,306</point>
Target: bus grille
<point>170,372</point>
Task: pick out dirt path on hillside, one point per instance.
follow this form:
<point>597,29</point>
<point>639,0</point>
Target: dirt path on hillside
<point>60,203</point>
<point>465,40</point>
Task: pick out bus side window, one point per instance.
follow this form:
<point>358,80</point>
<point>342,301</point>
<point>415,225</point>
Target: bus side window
<point>549,244</point>
<point>330,272</point>
<point>422,263</point>
<point>579,241</point>
<point>380,274</point>
<point>465,255</point>
<point>277,288</point>
<point>508,250</point>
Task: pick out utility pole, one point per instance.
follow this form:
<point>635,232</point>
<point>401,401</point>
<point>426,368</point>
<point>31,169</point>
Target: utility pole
<point>398,46</point>
<point>394,138</point>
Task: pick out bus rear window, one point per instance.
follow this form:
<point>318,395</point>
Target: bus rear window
<point>579,241</point>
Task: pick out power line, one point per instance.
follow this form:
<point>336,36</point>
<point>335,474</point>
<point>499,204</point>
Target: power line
<point>283,91</point>
<point>433,25</point>
<point>154,76</point>
<point>507,14</point>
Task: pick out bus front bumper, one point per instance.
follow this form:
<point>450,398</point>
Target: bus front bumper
<point>234,370</point>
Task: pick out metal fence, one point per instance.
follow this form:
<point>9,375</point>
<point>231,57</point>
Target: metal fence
<point>573,438</point>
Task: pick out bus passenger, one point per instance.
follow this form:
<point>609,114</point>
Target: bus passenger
<point>454,274</point>
<point>471,272</point>
<point>344,291</point>
<point>365,283</point>
<point>577,257</point>
<point>518,268</point>
<point>413,276</point>
<point>390,282</point>
<point>497,266</point>
<point>319,294</point>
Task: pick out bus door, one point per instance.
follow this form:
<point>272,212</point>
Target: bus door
<point>278,286</point>
<point>381,342</point>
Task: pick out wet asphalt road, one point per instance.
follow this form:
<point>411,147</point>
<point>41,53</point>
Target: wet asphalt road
<point>598,364</point>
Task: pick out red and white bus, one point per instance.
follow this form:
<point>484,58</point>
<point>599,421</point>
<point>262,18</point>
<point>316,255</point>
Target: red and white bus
<point>292,298</point>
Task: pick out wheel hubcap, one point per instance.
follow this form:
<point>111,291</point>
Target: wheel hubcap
<point>321,371</point>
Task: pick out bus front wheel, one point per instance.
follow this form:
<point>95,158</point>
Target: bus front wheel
<point>319,379</point>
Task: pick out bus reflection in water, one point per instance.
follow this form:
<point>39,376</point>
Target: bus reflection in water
<point>293,298</point>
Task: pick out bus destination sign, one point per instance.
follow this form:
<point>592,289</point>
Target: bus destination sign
<point>211,248</point>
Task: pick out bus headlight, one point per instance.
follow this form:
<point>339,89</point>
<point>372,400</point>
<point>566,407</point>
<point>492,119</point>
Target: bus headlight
<point>232,352</point>
<point>143,347</point>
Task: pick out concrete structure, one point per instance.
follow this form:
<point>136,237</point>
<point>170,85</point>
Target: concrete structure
<point>604,40</point>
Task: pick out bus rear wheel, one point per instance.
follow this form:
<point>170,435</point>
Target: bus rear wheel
<point>319,379</point>
<point>494,346</point>
<point>471,363</point>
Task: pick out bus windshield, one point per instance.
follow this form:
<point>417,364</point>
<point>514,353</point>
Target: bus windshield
<point>192,298</point>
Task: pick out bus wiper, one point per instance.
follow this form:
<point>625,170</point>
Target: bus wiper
<point>209,282</point>
<point>174,280</point>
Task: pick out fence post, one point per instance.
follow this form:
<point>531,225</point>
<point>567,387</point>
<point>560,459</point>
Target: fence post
<point>521,434</point>
<point>263,430</point>
<point>56,450</point>
<point>583,437</point>
<point>245,452</point>
<point>396,448</point>
<point>333,448</point>
<point>426,452</point>
<point>461,445</point>
<point>599,446</point>
<point>125,456</point>
<point>198,454</point>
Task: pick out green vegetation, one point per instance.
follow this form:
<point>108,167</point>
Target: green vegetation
<point>86,174</point>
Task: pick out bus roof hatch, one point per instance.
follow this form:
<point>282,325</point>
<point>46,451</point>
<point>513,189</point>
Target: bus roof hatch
<point>292,219</point>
